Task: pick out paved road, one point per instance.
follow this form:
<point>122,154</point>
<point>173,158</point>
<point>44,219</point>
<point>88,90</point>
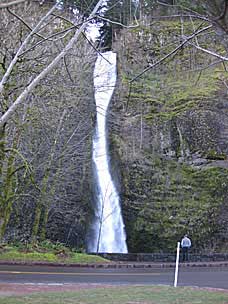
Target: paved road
<point>204,277</point>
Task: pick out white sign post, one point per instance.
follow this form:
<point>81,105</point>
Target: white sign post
<point>177,264</point>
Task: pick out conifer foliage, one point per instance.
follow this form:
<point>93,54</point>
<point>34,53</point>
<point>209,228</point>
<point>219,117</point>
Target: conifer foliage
<point>116,15</point>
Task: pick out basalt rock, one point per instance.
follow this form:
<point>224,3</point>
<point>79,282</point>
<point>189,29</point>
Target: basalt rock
<point>169,136</point>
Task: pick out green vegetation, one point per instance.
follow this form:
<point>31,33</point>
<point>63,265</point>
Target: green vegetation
<point>170,144</point>
<point>38,172</point>
<point>178,199</point>
<point>184,81</point>
<point>166,95</point>
<point>212,154</point>
<point>124,295</point>
<point>46,252</point>
<point>171,95</point>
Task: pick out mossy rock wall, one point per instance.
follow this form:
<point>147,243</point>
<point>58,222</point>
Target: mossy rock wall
<point>169,133</point>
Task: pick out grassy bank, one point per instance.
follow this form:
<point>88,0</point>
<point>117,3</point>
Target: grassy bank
<point>125,295</point>
<point>46,252</point>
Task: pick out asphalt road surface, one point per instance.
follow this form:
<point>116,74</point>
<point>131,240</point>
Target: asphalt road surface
<point>204,277</point>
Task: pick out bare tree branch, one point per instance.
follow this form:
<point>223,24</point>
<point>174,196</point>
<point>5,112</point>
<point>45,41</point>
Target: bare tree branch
<point>63,32</point>
<point>15,59</point>
<point>25,23</point>
<point>89,41</point>
<point>224,12</point>
<point>49,38</point>
<point>5,5</point>
<point>68,72</point>
<point>183,16</point>
<point>48,69</point>
<point>209,52</point>
<point>179,6</point>
<point>118,23</point>
<point>174,51</point>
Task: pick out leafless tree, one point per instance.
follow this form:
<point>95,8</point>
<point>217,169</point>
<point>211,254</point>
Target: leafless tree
<point>44,143</point>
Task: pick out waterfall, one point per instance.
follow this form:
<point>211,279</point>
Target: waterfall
<point>108,227</point>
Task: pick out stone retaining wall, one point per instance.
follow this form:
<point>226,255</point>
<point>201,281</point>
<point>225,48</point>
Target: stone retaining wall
<point>163,257</point>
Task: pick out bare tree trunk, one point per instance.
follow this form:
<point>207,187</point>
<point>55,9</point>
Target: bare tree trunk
<point>8,4</point>
<point>7,115</point>
<point>21,48</point>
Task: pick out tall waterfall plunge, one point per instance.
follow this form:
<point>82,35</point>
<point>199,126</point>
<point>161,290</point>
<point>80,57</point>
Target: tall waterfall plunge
<point>108,227</point>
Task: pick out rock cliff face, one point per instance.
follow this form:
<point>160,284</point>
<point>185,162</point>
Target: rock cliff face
<point>169,137</point>
<point>168,140</point>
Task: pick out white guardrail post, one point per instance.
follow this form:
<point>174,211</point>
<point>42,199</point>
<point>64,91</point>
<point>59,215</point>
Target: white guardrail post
<point>177,264</point>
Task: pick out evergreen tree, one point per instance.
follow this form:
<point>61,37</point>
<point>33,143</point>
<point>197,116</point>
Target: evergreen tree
<point>82,6</point>
<point>121,12</point>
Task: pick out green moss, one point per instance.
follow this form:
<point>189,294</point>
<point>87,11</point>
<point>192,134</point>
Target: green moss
<point>178,84</point>
<point>178,199</point>
<point>170,96</point>
<point>214,155</point>
<point>164,199</point>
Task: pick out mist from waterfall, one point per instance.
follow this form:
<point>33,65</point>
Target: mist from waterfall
<point>108,227</point>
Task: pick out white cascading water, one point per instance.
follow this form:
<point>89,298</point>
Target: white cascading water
<point>109,232</point>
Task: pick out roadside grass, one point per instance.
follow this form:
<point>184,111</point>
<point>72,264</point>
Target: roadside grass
<point>46,252</point>
<point>125,295</point>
